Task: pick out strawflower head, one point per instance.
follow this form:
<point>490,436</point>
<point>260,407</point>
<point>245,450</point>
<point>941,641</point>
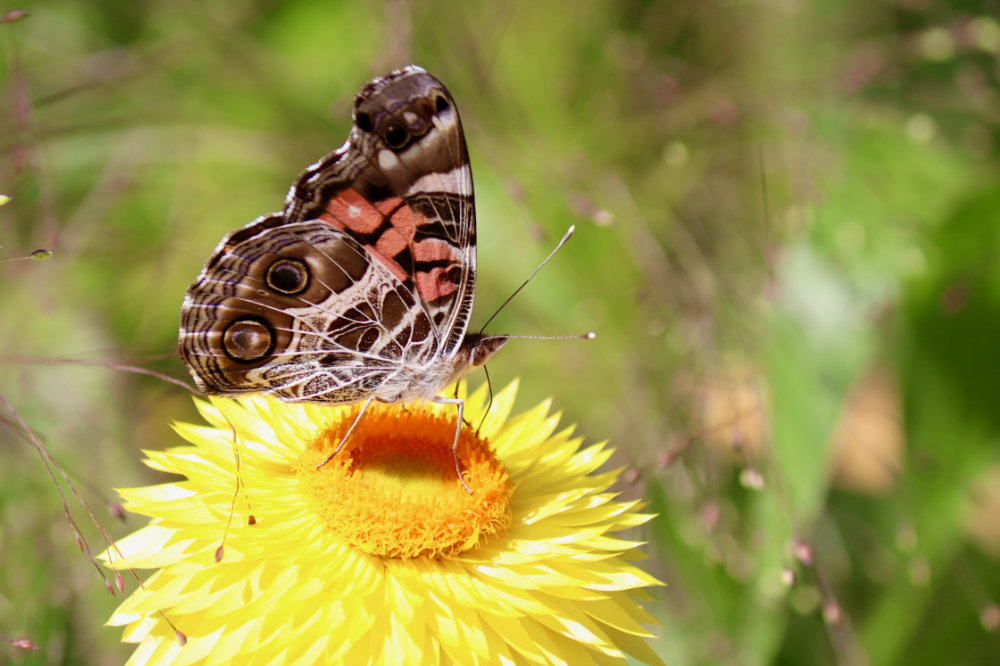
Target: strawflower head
<point>381,555</point>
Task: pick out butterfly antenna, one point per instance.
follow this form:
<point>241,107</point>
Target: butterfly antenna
<point>583,336</point>
<point>566,236</point>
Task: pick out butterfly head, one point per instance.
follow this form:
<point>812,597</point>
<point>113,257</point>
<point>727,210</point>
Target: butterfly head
<point>476,350</point>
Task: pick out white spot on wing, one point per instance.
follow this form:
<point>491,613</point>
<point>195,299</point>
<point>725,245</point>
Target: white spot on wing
<point>443,122</point>
<point>455,181</point>
<point>387,160</point>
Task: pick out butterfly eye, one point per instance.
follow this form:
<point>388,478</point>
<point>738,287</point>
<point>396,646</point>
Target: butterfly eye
<point>288,276</point>
<point>363,121</point>
<point>248,340</point>
<point>395,136</point>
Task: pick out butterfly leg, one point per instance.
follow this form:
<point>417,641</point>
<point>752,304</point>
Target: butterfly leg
<point>347,436</point>
<point>458,429</point>
<point>457,398</point>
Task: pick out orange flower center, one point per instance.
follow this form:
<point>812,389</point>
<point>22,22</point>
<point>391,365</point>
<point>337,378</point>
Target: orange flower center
<point>392,490</point>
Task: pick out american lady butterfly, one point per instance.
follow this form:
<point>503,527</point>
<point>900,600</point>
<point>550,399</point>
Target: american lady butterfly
<point>361,289</point>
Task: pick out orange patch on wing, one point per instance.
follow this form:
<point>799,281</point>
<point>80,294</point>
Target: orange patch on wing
<point>349,210</point>
<point>391,264</point>
<point>434,284</point>
<point>386,205</point>
<point>405,221</point>
<point>391,243</point>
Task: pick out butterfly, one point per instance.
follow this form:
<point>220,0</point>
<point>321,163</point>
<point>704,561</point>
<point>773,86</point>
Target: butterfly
<point>361,289</point>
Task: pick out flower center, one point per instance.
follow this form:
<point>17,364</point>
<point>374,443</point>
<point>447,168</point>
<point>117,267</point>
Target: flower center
<point>393,491</point>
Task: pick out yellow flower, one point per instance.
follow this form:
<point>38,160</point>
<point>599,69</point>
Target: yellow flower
<point>380,555</point>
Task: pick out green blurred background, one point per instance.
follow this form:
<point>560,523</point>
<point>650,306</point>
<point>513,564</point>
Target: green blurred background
<point>788,221</point>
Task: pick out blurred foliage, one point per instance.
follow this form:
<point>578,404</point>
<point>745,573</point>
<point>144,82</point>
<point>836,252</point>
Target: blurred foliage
<point>787,242</point>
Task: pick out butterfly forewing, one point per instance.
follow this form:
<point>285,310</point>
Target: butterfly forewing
<point>402,185</point>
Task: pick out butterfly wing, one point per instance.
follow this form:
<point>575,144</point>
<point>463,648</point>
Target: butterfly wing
<point>363,286</point>
<point>402,187</point>
<point>300,310</point>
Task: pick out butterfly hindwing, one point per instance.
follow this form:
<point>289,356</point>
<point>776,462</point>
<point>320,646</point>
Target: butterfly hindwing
<point>301,310</point>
